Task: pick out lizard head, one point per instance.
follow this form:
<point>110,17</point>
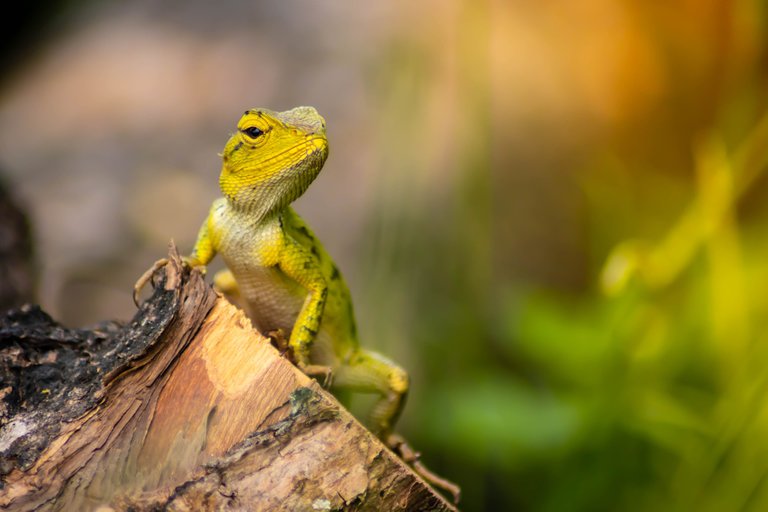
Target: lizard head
<point>273,157</point>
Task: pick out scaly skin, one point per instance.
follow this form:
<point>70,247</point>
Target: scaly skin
<point>276,267</point>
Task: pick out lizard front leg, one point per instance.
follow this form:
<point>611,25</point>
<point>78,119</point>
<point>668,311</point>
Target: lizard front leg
<point>302,266</point>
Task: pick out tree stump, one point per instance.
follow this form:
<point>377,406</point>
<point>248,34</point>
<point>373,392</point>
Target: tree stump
<point>187,407</point>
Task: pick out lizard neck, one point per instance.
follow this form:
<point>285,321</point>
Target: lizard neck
<point>254,218</point>
<point>258,203</point>
<point>262,194</point>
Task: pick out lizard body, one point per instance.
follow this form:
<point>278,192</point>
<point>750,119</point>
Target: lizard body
<point>276,267</point>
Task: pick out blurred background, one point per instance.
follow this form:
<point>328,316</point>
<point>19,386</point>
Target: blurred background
<point>553,214</point>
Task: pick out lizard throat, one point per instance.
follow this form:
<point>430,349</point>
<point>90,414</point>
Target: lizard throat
<point>262,196</point>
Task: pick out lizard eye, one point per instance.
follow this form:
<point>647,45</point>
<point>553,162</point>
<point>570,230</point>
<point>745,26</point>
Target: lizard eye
<point>253,132</point>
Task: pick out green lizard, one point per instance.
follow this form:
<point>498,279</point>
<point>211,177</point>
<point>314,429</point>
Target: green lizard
<point>279,271</point>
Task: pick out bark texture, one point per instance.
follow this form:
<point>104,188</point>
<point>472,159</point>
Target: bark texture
<point>184,408</point>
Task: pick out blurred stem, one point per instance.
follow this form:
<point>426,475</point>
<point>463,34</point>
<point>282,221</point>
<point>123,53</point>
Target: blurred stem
<point>709,224</point>
<point>474,215</point>
<point>721,184</point>
<point>729,309</point>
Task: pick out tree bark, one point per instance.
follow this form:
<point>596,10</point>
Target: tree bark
<point>187,407</point>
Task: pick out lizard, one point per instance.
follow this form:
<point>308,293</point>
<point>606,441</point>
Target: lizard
<point>281,274</point>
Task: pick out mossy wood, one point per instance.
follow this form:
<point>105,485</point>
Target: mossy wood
<point>185,408</point>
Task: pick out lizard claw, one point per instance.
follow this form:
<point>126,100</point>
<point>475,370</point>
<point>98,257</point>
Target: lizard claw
<point>279,341</point>
<point>400,446</point>
<point>318,370</point>
<point>145,277</point>
<point>186,261</point>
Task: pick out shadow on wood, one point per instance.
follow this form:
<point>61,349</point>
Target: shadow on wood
<point>185,408</point>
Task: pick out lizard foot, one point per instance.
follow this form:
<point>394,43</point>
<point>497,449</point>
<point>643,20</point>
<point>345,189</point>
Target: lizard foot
<point>411,457</point>
<point>318,370</point>
<point>280,342</point>
<point>146,277</point>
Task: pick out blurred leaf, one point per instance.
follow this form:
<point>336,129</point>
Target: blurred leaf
<point>498,420</point>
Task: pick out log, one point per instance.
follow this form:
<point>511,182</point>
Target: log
<point>186,407</point>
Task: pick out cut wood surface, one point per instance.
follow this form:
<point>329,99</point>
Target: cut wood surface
<point>185,408</point>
